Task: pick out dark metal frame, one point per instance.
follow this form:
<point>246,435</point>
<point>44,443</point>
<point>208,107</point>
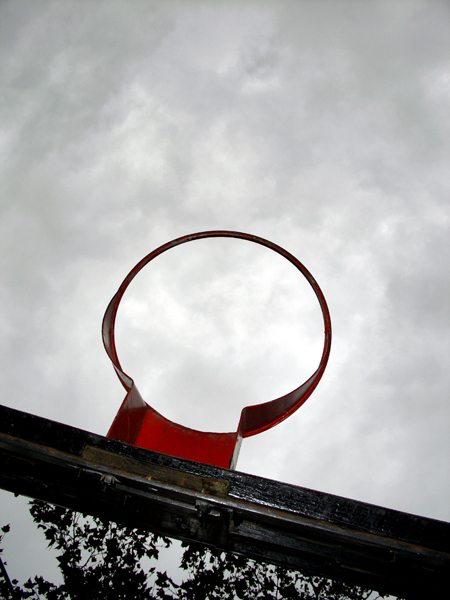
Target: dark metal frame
<point>313,532</point>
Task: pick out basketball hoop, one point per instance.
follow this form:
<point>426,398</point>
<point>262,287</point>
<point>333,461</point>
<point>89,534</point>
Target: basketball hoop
<point>138,423</point>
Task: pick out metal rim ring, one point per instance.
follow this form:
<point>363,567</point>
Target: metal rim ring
<point>254,418</point>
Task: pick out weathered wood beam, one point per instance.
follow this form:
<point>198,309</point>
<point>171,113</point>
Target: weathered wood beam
<point>306,530</point>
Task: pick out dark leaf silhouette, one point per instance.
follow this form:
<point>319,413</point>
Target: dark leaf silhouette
<point>101,559</point>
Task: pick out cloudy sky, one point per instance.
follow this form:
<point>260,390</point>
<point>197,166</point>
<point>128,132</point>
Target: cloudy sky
<point>322,126</point>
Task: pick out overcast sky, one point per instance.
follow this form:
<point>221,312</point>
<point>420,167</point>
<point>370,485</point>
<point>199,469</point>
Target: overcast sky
<point>322,126</point>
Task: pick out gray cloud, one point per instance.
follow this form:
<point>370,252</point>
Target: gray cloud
<point>321,126</point>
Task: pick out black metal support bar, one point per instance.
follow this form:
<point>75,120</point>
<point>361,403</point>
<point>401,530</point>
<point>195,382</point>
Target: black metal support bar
<point>309,531</point>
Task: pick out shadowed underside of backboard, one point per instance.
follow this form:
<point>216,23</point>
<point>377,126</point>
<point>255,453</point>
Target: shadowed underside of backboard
<point>304,530</point>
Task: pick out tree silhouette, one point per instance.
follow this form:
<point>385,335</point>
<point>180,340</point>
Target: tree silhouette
<point>101,559</point>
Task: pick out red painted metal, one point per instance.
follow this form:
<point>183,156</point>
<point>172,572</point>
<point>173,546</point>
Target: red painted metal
<point>138,423</point>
